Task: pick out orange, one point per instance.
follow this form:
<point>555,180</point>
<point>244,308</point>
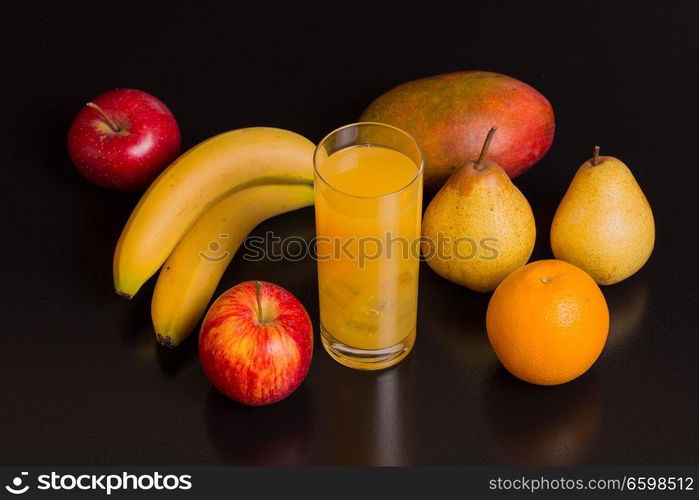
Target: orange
<point>547,322</point>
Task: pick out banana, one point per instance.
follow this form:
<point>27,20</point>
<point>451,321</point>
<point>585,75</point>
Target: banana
<point>205,174</point>
<point>191,273</point>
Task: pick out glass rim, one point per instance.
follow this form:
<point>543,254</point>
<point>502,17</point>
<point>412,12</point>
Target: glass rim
<point>418,172</point>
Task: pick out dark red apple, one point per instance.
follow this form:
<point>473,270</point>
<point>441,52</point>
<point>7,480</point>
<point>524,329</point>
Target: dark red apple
<point>256,343</point>
<point>123,139</point>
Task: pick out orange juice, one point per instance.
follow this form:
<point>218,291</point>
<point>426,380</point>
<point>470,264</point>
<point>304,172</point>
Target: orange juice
<point>368,207</point>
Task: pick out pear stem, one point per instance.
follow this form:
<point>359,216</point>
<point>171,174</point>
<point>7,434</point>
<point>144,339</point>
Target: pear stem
<point>595,156</point>
<point>259,303</point>
<point>104,116</point>
<point>484,152</point>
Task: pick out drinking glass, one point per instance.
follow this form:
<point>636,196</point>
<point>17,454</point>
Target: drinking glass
<point>368,192</point>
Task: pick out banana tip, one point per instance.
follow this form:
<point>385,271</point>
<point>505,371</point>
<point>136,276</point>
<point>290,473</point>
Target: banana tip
<point>124,294</point>
<point>165,341</point>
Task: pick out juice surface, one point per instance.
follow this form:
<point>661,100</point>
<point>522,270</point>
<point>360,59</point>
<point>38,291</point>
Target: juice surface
<point>368,224</point>
<point>368,170</point>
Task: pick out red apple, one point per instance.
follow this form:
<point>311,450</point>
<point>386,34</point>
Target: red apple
<point>256,343</point>
<point>123,139</point>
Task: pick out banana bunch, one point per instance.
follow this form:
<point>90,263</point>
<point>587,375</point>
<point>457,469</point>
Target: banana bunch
<point>215,193</point>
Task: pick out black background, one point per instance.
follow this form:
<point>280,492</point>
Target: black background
<point>81,378</point>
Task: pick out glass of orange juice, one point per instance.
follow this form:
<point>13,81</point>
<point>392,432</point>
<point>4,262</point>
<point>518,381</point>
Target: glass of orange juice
<point>368,204</point>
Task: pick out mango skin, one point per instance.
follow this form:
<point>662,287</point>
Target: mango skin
<point>604,223</point>
<point>449,115</point>
<point>486,208</point>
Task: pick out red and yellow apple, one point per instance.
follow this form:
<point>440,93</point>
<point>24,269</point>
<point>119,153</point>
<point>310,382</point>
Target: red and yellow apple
<point>123,139</point>
<point>256,343</point>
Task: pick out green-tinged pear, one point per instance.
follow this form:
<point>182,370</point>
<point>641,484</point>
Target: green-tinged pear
<point>604,224</point>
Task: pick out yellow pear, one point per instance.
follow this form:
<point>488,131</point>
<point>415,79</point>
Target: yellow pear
<point>604,224</point>
<point>479,227</point>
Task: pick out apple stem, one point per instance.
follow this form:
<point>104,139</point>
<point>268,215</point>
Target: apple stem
<point>259,303</point>
<point>104,116</point>
<point>479,162</point>
<point>595,156</point>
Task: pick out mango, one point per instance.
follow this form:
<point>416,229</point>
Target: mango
<point>448,113</point>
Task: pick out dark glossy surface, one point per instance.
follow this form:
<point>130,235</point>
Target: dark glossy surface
<point>81,378</point>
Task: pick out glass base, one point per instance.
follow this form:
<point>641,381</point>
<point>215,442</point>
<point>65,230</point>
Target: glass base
<point>366,359</point>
